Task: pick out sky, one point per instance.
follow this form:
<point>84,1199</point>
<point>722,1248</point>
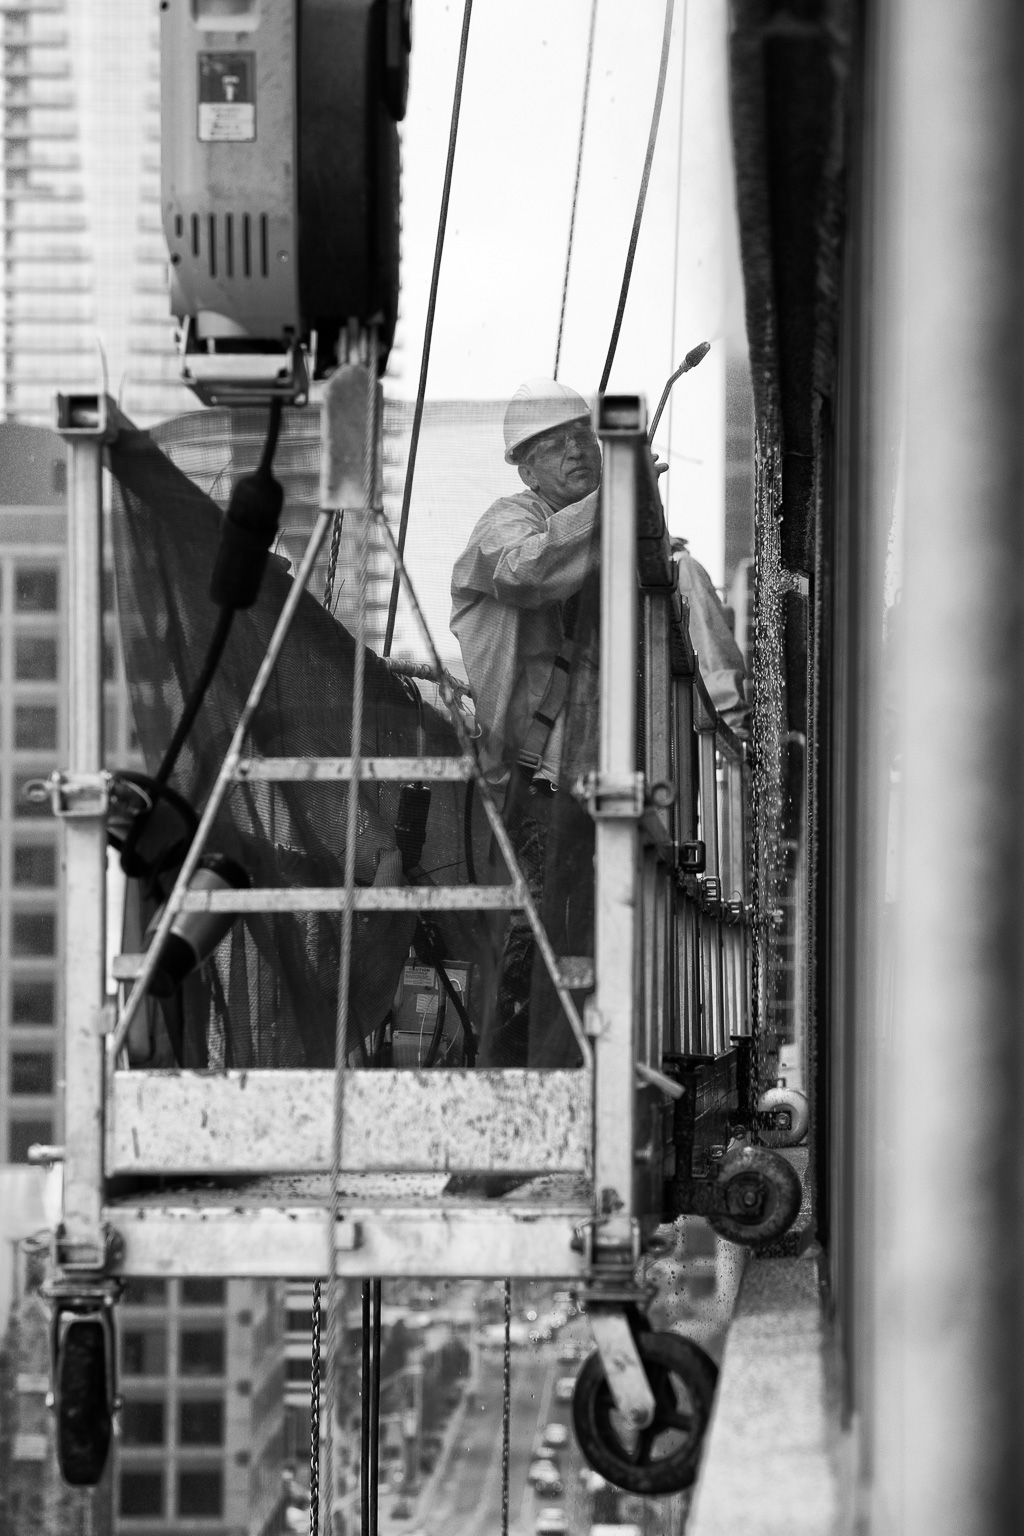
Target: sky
<point>501,277</point>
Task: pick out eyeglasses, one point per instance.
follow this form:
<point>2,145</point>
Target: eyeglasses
<point>559,438</point>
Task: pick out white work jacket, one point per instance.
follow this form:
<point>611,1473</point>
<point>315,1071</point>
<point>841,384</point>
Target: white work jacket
<point>522,561</point>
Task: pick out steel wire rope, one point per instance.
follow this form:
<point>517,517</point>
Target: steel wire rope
<point>506,1406</point>
<point>576,181</point>
<point>347,916</point>
<point>679,206</point>
<point>428,331</point>
<point>652,140</point>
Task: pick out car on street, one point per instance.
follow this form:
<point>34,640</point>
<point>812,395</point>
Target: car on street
<point>551,1522</point>
<point>565,1386</point>
<point>556,1434</point>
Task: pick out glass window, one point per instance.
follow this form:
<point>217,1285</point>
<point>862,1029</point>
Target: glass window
<point>144,1351</point>
<point>32,1002</point>
<point>298,1322</point>
<point>22,807</point>
<point>33,933</point>
<point>202,1293</point>
<point>22,1134</point>
<point>142,1423</point>
<point>35,727</point>
<point>201,1491</point>
<point>145,1292</point>
<point>296,1369</point>
<point>142,1493</point>
<point>35,589</point>
<point>35,658</point>
<point>31,1072</point>
<point>35,864</point>
<point>201,1421</point>
<point>202,1352</point>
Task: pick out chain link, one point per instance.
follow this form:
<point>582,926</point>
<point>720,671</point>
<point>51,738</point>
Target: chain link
<point>314,1415</point>
<point>506,1407</point>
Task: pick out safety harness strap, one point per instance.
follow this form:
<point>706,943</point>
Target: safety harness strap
<point>548,710</point>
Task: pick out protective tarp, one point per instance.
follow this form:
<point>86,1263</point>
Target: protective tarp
<point>268,997</point>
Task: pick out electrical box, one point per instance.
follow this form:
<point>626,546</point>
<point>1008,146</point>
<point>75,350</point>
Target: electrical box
<point>280,170</point>
<point>422,1010</point>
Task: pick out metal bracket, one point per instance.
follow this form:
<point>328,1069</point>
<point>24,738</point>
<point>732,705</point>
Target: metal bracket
<point>82,796</point>
<point>86,1264</point>
<point>605,796</point>
<point>623,1367</point>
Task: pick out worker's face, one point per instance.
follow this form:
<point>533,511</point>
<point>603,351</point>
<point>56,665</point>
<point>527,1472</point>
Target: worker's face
<point>563,465</point>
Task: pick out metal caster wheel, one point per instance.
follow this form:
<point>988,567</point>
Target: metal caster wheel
<point>783,1115</point>
<point>663,1457</point>
<point>758,1196</point>
<point>83,1396</point>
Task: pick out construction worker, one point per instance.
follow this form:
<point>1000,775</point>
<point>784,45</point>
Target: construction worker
<point>514,591</point>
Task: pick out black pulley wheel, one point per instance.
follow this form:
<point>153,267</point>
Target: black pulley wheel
<point>757,1196</point>
<point>663,1457</point>
<point>82,1398</point>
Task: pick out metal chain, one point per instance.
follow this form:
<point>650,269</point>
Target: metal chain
<point>506,1407</point>
<point>314,1415</point>
<point>348,908</point>
<point>332,559</point>
<point>576,183</point>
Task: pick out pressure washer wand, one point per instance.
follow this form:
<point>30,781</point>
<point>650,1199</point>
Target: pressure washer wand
<point>692,358</point>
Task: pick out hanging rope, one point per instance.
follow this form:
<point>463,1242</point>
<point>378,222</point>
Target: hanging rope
<point>332,560</point>
<point>428,332</point>
<point>652,140</point>
<point>314,1415</point>
<point>348,913</point>
<point>576,182</point>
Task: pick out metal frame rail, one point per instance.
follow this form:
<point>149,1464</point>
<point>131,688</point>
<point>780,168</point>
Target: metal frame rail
<point>670,979</point>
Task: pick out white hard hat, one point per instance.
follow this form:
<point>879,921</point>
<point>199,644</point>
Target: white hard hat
<point>536,407</point>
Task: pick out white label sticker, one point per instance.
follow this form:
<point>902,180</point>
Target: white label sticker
<point>419,976</point>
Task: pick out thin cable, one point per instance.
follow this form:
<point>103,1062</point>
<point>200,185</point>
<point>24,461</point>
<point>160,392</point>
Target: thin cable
<point>652,140</point>
<point>347,916</point>
<point>366,1367</point>
<point>332,560</point>
<point>506,1407</point>
<point>435,277</point>
<point>374,1445</point>
<point>677,239</point>
<point>576,182</point>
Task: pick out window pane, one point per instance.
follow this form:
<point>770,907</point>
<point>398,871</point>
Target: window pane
<point>144,1352</point>
<point>35,864</point>
<point>299,1322</point>
<point>202,1293</point>
<point>201,1492</point>
<point>22,807</point>
<point>142,1423</point>
<point>31,1072</point>
<point>142,1493</point>
<point>32,1002</point>
<point>296,1369</point>
<point>35,658</point>
<point>33,933</point>
<point>202,1352</point>
<point>201,1422</point>
<point>35,727</point>
<point>22,1134</point>
<point>145,1293</point>
<point>35,590</point>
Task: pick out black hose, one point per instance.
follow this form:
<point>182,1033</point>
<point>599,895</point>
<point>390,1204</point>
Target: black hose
<point>197,694</point>
<point>467,831</point>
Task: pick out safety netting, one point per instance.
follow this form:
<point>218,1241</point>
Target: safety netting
<point>444,988</point>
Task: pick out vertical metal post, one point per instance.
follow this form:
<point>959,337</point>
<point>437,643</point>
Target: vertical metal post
<point>616,861</point>
<point>82,422</point>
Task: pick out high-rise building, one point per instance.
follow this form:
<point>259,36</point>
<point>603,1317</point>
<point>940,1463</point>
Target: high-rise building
<point>84,292</point>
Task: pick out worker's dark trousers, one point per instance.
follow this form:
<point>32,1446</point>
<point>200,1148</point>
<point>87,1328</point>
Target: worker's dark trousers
<point>526,815</point>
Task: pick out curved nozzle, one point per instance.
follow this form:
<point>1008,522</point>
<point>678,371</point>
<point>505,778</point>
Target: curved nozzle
<point>692,358</point>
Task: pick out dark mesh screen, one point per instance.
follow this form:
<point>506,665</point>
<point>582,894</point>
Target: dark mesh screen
<point>269,996</point>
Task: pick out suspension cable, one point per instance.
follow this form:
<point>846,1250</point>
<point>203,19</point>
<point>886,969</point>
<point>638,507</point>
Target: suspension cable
<point>341,1034</point>
<point>428,332</point>
<point>679,206</point>
<point>576,182</point>
<point>314,1414</point>
<point>506,1407</point>
<point>652,140</point>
